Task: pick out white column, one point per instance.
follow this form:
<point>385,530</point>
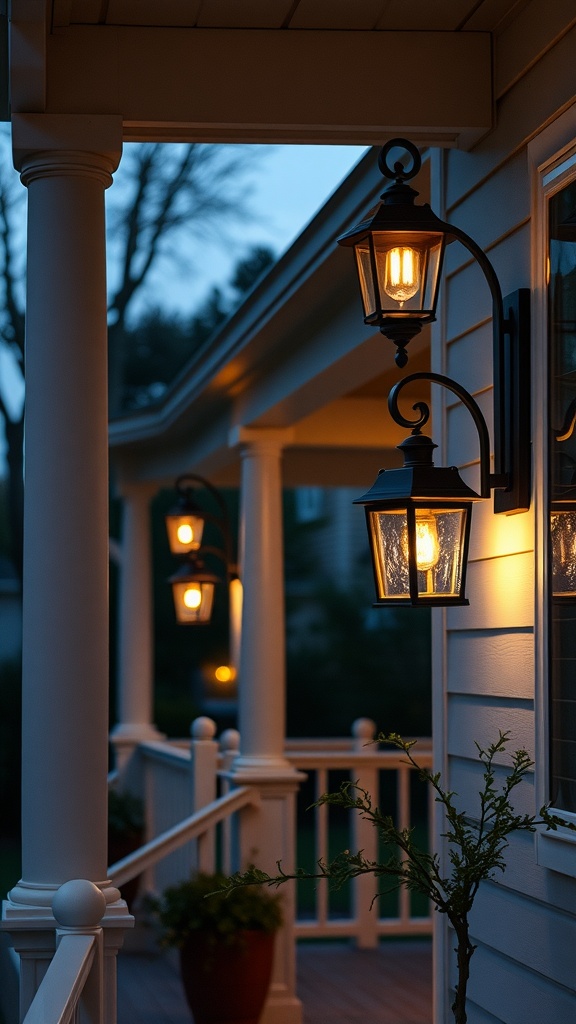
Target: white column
<point>135,680</point>
<point>268,835</point>
<point>66,163</point>
<point>262,651</point>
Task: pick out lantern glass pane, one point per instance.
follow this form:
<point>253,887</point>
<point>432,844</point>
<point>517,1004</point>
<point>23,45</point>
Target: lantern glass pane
<point>184,532</point>
<point>388,532</point>
<point>193,601</point>
<point>435,540</point>
<point>563,538</point>
<point>408,265</point>
<point>366,276</point>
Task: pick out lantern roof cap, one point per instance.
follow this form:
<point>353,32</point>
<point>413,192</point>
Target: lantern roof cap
<point>418,479</point>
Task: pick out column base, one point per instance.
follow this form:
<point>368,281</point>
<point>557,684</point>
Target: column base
<point>281,1009</point>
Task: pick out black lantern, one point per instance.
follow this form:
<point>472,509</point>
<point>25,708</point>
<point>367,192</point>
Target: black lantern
<point>193,584</point>
<point>193,592</point>
<point>185,520</point>
<point>419,517</point>
<point>418,520</point>
<point>399,253</point>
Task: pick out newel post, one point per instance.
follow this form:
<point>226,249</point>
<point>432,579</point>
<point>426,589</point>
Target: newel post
<point>204,782</point>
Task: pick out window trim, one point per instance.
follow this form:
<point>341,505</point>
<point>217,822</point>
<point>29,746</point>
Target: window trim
<point>552,159</point>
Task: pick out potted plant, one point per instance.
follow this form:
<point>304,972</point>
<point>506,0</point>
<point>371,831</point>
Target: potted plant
<point>476,844</point>
<point>125,833</point>
<point>226,945</point>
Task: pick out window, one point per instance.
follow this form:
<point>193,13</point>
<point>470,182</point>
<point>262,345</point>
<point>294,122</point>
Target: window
<point>562,486</point>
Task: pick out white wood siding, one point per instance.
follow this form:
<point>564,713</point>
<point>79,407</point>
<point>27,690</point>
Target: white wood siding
<point>524,923</point>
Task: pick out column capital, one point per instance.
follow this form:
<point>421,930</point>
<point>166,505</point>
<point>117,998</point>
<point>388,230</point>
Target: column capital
<point>265,438</point>
<point>43,142</point>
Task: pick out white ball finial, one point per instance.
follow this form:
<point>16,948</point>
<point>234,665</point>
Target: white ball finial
<point>364,729</point>
<point>79,904</point>
<point>230,741</point>
<point>203,728</point>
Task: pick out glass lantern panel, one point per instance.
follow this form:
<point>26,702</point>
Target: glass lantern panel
<point>366,276</point>
<point>407,264</point>
<point>438,544</point>
<point>184,532</point>
<point>444,578</point>
<point>388,533</point>
<point>193,601</point>
<point>563,538</point>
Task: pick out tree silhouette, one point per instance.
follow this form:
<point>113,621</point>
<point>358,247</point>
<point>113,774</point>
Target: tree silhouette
<point>166,196</point>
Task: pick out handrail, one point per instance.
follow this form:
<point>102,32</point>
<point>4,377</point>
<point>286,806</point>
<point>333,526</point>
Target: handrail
<point>57,997</point>
<point>341,759</point>
<point>196,824</point>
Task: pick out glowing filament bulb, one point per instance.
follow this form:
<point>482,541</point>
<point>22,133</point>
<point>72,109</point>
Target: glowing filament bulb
<point>427,548</point>
<point>192,596</point>
<point>185,533</point>
<point>402,279</point>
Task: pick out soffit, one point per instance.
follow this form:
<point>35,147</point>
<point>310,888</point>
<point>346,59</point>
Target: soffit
<point>337,15</point>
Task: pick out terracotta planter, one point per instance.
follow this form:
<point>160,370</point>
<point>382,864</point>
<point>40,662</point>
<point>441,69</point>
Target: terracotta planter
<point>227,983</point>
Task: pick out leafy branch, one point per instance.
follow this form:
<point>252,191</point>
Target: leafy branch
<point>476,846</point>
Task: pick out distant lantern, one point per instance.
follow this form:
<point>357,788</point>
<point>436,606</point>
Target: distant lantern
<point>193,592</point>
<point>184,522</point>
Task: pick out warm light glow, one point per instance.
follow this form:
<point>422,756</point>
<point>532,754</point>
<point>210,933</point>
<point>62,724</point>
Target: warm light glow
<point>192,596</point>
<point>185,533</point>
<point>402,279</point>
<point>427,549</point>
<point>427,546</point>
<point>224,674</point>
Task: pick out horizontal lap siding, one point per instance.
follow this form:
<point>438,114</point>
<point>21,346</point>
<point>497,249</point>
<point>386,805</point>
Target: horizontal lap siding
<point>524,922</point>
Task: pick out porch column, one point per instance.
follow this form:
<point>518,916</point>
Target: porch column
<point>136,648</point>
<point>66,162</point>
<point>268,834</point>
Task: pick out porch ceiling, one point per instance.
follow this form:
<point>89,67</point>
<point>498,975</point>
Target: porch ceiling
<point>263,70</point>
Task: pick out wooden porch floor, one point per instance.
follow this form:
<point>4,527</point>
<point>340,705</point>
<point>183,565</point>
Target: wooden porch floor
<point>336,983</point>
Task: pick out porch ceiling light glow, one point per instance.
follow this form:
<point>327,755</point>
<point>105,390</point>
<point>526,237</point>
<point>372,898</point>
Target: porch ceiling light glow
<point>418,517</point>
<point>193,584</point>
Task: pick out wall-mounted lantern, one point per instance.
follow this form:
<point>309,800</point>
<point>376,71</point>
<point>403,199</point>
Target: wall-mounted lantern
<point>193,592</point>
<point>418,517</point>
<point>185,520</point>
<point>193,584</point>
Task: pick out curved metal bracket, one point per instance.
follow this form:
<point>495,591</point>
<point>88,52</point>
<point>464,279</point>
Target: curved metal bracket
<point>487,480</point>
<point>222,522</point>
<point>512,446</point>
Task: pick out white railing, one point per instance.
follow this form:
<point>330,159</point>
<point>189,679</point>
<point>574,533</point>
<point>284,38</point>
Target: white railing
<point>198,826</point>
<point>74,981</point>
<point>322,833</point>
<point>182,784</point>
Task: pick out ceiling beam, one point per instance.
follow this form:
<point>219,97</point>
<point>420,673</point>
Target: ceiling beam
<point>238,85</point>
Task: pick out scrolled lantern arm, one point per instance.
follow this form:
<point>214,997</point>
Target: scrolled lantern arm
<point>184,486</point>
<point>487,479</point>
